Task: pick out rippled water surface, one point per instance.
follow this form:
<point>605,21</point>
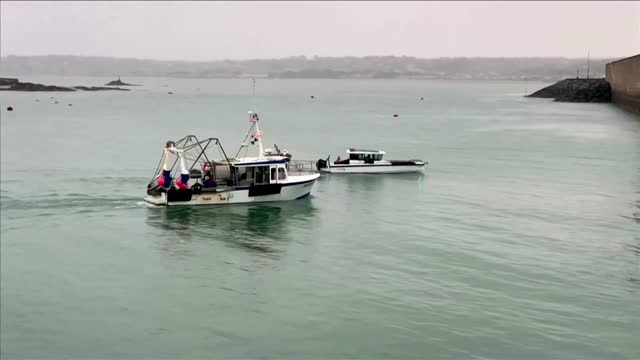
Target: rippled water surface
<point>520,241</point>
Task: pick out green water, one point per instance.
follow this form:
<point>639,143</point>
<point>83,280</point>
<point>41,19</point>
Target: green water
<point>520,241</point>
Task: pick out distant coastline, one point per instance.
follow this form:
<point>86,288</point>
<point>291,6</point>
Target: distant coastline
<point>300,67</point>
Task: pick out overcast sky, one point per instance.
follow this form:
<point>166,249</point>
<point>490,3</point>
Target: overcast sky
<point>241,30</point>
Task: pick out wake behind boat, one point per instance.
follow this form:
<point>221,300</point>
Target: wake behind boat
<point>188,175</point>
<point>368,161</point>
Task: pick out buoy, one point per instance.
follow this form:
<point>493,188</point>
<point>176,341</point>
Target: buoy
<point>313,97</point>
<point>37,100</point>
<point>421,98</point>
<point>69,104</point>
<point>9,108</point>
<point>56,102</point>
<point>395,115</point>
<point>170,93</point>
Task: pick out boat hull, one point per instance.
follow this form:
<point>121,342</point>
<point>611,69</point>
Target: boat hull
<point>288,191</point>
<point>373,169</point>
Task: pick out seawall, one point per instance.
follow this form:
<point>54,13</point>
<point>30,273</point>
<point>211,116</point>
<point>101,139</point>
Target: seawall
<point>624,77</point>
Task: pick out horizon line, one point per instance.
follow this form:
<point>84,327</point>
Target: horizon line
<point>312,57</point>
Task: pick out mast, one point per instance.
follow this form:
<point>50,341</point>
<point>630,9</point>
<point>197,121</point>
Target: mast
<point>259,138</point>
<point>257,134</point>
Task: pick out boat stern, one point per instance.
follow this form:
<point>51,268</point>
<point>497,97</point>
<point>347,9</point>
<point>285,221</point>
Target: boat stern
<point>157,200</point>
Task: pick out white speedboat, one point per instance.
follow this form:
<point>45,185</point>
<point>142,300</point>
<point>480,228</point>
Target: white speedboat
<point>368,162</point>
<point>187,175</point>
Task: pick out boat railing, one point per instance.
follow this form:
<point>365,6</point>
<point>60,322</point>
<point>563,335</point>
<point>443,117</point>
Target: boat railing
<point>300,167</point>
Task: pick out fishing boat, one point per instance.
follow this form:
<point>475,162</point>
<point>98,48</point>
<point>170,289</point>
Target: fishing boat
<point>199,172</point>
<point>368,162</point>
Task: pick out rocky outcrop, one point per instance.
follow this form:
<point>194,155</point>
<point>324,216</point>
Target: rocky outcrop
<point>27,86</point>
<point>8,81</point>
<point>98,88</point>
<point>577,90</point>
<point>119,83</point>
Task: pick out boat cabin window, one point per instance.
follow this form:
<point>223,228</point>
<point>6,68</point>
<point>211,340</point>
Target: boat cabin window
<point>281,174</point>
<point>243,174</point>
<point>262,174</point>
<point>273,174</point>
<point>365,157</point>
<point>253,174</point>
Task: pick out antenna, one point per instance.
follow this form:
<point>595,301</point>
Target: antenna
<point>588,56</point>
<point>253,80</point>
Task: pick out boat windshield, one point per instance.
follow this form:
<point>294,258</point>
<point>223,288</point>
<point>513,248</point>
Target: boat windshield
<point>364,157</point>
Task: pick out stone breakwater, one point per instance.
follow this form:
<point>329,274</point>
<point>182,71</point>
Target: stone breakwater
<point>577,90</point>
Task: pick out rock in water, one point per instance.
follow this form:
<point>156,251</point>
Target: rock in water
<point>119,83</point>
<point>577,90</point>
<point>98,88</point>
<point>20,86</point>
<point>26,86</point>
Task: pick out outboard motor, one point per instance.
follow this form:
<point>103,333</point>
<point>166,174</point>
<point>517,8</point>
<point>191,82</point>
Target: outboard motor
<point>321,164</point>
<point>155,189</point>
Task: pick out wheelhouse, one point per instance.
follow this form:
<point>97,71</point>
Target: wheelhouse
<point>261,172</point>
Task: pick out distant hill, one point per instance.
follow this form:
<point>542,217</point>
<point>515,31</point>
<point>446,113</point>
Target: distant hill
<point>543,69</point>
